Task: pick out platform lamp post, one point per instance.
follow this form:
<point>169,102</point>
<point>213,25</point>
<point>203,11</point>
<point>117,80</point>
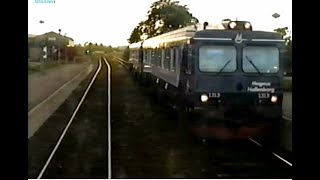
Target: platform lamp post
<point>59,49</point>
<point>43,53</point>
<point>65,52</point>
<point>275,16</point>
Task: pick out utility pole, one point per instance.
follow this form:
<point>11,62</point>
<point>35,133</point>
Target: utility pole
<point>44,57</point>
<point>66,57</point>
<point>59,49</point>
<point>275,16</point>
<point>43,53</point>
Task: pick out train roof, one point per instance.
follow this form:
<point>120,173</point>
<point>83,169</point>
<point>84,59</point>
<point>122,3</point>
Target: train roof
<point>135,45</point>
<point>206,31</point>
<point>230,34</point>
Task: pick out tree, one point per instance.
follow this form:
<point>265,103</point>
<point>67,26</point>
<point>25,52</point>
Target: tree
<point>288,41</point>
<point>167,15</point>
<point>163,16</point>
<point>137,33</point>
<point>284,32</point>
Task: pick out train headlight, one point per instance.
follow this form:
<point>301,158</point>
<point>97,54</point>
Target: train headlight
<point>232,25</point>
<point>204,98</point>
<point>247,25</point>
<point>274,99</point>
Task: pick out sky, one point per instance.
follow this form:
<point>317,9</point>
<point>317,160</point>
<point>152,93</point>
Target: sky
<point>111,22</point>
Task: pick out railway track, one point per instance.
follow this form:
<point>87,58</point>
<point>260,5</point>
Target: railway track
<point>82,149</point>
<point>243,159</point>
<point>147,139</point>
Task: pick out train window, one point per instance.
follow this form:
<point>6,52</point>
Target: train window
<point>156,62</point>
<point>217,59</point>
<point>156,57</point>
<point>133,55</point>
<point>176,58</point>
<point>259,59</point>
<point>162,58</point>
<point>184,58</point>
<point>145,56</point>
<point>159,57</point>
<point>172,59</point>
<point>148,56</point>
<point>140,55</point>
<point>153,54</point>
<point>167,59</point>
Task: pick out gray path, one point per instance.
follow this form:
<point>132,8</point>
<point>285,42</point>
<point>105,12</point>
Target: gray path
<point>41,86</point>
<point>48,91</point>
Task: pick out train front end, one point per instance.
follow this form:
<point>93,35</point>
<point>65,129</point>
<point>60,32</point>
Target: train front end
<point>237,84</point>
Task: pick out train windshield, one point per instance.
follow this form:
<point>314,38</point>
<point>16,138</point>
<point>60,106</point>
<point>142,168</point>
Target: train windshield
<point>257,59</point>
<point>217,59</point>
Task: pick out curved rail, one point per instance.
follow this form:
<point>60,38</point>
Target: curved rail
<point>126,64</point>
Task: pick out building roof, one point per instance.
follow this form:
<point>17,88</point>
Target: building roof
<point>31,35</point>
<point>57,34</point>
<point>50,33</point>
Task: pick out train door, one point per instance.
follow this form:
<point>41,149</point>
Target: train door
<point>184,60</point>
<point>187,64</point>
<point>141,60</point>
